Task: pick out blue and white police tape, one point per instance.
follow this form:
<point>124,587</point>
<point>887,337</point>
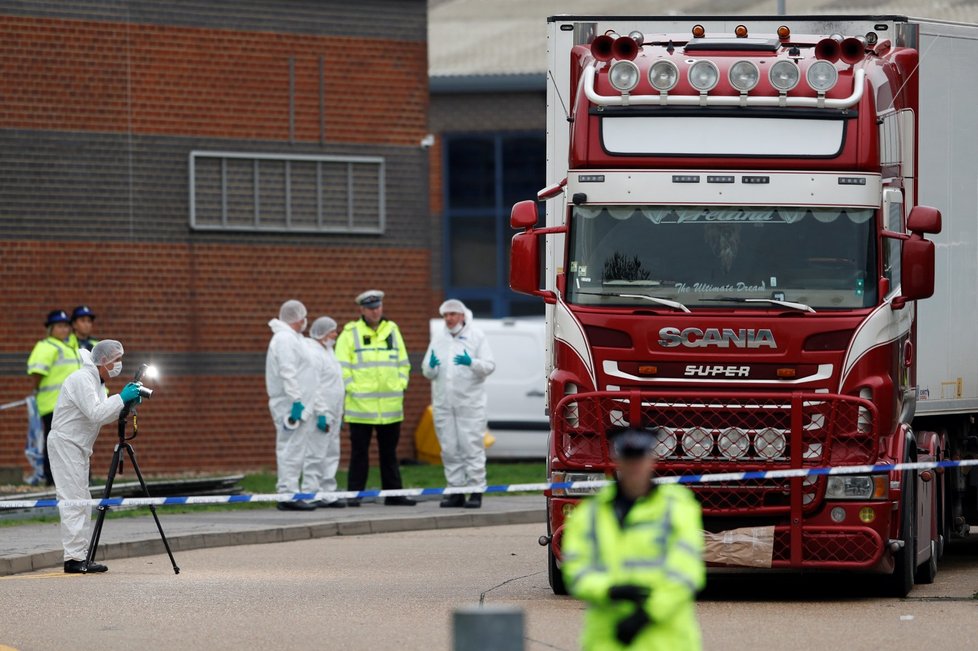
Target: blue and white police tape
<point>501,488</point>
<point>15,403</point>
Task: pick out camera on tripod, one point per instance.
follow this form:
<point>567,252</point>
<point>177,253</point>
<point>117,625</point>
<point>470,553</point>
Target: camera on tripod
<point>152,373</point>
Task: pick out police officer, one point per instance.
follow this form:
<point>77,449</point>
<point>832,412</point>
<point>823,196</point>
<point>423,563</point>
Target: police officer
<point>82,322</point>
<point>51,362</point>
<point>633,552</point>
<point>375,367</point>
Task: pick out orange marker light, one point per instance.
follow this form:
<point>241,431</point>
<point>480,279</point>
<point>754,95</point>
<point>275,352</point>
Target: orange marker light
<point>648,370</point>
<point>786,372</point>
<point>699,31</point>
<point>784,33</point>
<point>741,31</point>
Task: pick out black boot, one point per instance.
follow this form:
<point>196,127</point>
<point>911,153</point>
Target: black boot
<point>474,501</point>
<point>456,500</point>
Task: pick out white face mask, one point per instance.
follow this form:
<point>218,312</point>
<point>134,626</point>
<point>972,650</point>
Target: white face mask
<point>458,328</point>
<point>330,343</point>
<point>115,369</point>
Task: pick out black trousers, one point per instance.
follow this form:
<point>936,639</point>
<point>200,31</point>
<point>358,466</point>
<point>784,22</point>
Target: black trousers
<point>48,477</point>
<point>387,437</point>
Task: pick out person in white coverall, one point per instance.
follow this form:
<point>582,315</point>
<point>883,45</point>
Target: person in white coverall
<point>286,361</point>
<point>457,362</point>
<point>326,395</point>
<point>82,409</point>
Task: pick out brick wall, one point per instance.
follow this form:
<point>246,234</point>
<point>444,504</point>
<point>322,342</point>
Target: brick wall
<point>101,103</point>
<point>201,300</point>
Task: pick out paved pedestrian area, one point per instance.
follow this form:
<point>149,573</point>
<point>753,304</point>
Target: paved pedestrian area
<point>28,547</point>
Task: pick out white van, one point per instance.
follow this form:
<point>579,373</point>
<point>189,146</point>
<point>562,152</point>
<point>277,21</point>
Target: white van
<point>517,388</point>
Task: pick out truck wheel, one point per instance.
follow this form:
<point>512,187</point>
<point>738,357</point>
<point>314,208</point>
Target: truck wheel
<point>926,572</point>
<point>900,583</point>
<point>554,574</point>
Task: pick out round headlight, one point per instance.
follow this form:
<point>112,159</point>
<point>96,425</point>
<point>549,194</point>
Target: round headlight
<point>704,75</point>
<point>697,443</point>
<point>733,443</point>
<point>784,75</point>
<point>769,443</point>
<point>623,75</point>
<point>663,75</point>
<point>822,76</point>
<point>665,443</point>
<point>743,76</point>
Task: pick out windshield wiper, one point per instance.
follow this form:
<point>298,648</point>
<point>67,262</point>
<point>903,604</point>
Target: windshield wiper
<point>775,301</point>
<point>655,299</point>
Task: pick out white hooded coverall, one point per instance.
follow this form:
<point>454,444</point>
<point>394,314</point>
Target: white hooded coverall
<point>81,411</point>
<point>458,398</point>
<point>285,362</point>
<point>326,395</point>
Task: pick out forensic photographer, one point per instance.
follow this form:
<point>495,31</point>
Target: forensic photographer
<point>80,413</point>
<point>633,552</point>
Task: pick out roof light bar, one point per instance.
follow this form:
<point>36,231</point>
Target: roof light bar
<point>858,84</point>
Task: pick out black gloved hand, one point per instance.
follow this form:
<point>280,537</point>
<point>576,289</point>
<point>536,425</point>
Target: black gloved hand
<point>628,592</point>
<point>629,628</point>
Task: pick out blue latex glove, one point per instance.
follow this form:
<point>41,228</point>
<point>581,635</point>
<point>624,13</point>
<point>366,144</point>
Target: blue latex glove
<point>297,408</point>
<point>130,393</point>
<point>463,359</point>
<point>321,423</point>
<point>433,361</point>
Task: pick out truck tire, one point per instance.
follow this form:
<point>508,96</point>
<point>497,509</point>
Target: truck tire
<point>928,571</point>
<point>900,583</point>
<point>554,574</point>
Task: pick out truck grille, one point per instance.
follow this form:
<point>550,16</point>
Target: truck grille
<point>699,434</point>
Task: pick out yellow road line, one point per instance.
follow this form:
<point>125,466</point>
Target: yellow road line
<point>46,575</point>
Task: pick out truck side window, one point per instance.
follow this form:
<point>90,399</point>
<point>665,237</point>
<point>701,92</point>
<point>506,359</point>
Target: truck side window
<point>892,248</point>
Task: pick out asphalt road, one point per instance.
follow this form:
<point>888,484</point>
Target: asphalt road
<point>398,591</point>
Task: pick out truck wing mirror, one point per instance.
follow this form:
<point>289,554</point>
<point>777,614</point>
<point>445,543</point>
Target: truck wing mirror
<point>524,215</point>
<point>924,219</point>
<point>917,272</point>
<point>524,265</point>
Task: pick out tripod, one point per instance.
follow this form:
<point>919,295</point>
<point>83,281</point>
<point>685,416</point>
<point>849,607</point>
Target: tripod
<point>123,444</point>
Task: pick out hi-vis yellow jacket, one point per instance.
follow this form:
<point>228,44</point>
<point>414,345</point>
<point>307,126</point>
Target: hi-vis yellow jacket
<point>375,371</point>
<point>659,546</point>
<point>55,360</point>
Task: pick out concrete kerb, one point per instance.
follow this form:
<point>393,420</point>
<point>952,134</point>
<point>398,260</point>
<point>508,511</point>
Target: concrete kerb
<point>153,545</point>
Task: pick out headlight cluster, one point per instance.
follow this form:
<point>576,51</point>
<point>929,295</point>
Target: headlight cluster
<point>744,76</point>
<point>856,487</point>
<point>732,443</point>
<point>561,477</point>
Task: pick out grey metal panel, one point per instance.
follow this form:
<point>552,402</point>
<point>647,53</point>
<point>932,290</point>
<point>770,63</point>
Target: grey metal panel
<point>391,19</point>
<point>532,82</point>
<point>947,349</point>
<point>58,185</point>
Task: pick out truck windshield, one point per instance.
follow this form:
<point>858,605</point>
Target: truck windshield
<point>708,256</point>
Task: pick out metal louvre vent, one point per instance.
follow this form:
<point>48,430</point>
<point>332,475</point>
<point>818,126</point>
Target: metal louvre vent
<point>232,191</point>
